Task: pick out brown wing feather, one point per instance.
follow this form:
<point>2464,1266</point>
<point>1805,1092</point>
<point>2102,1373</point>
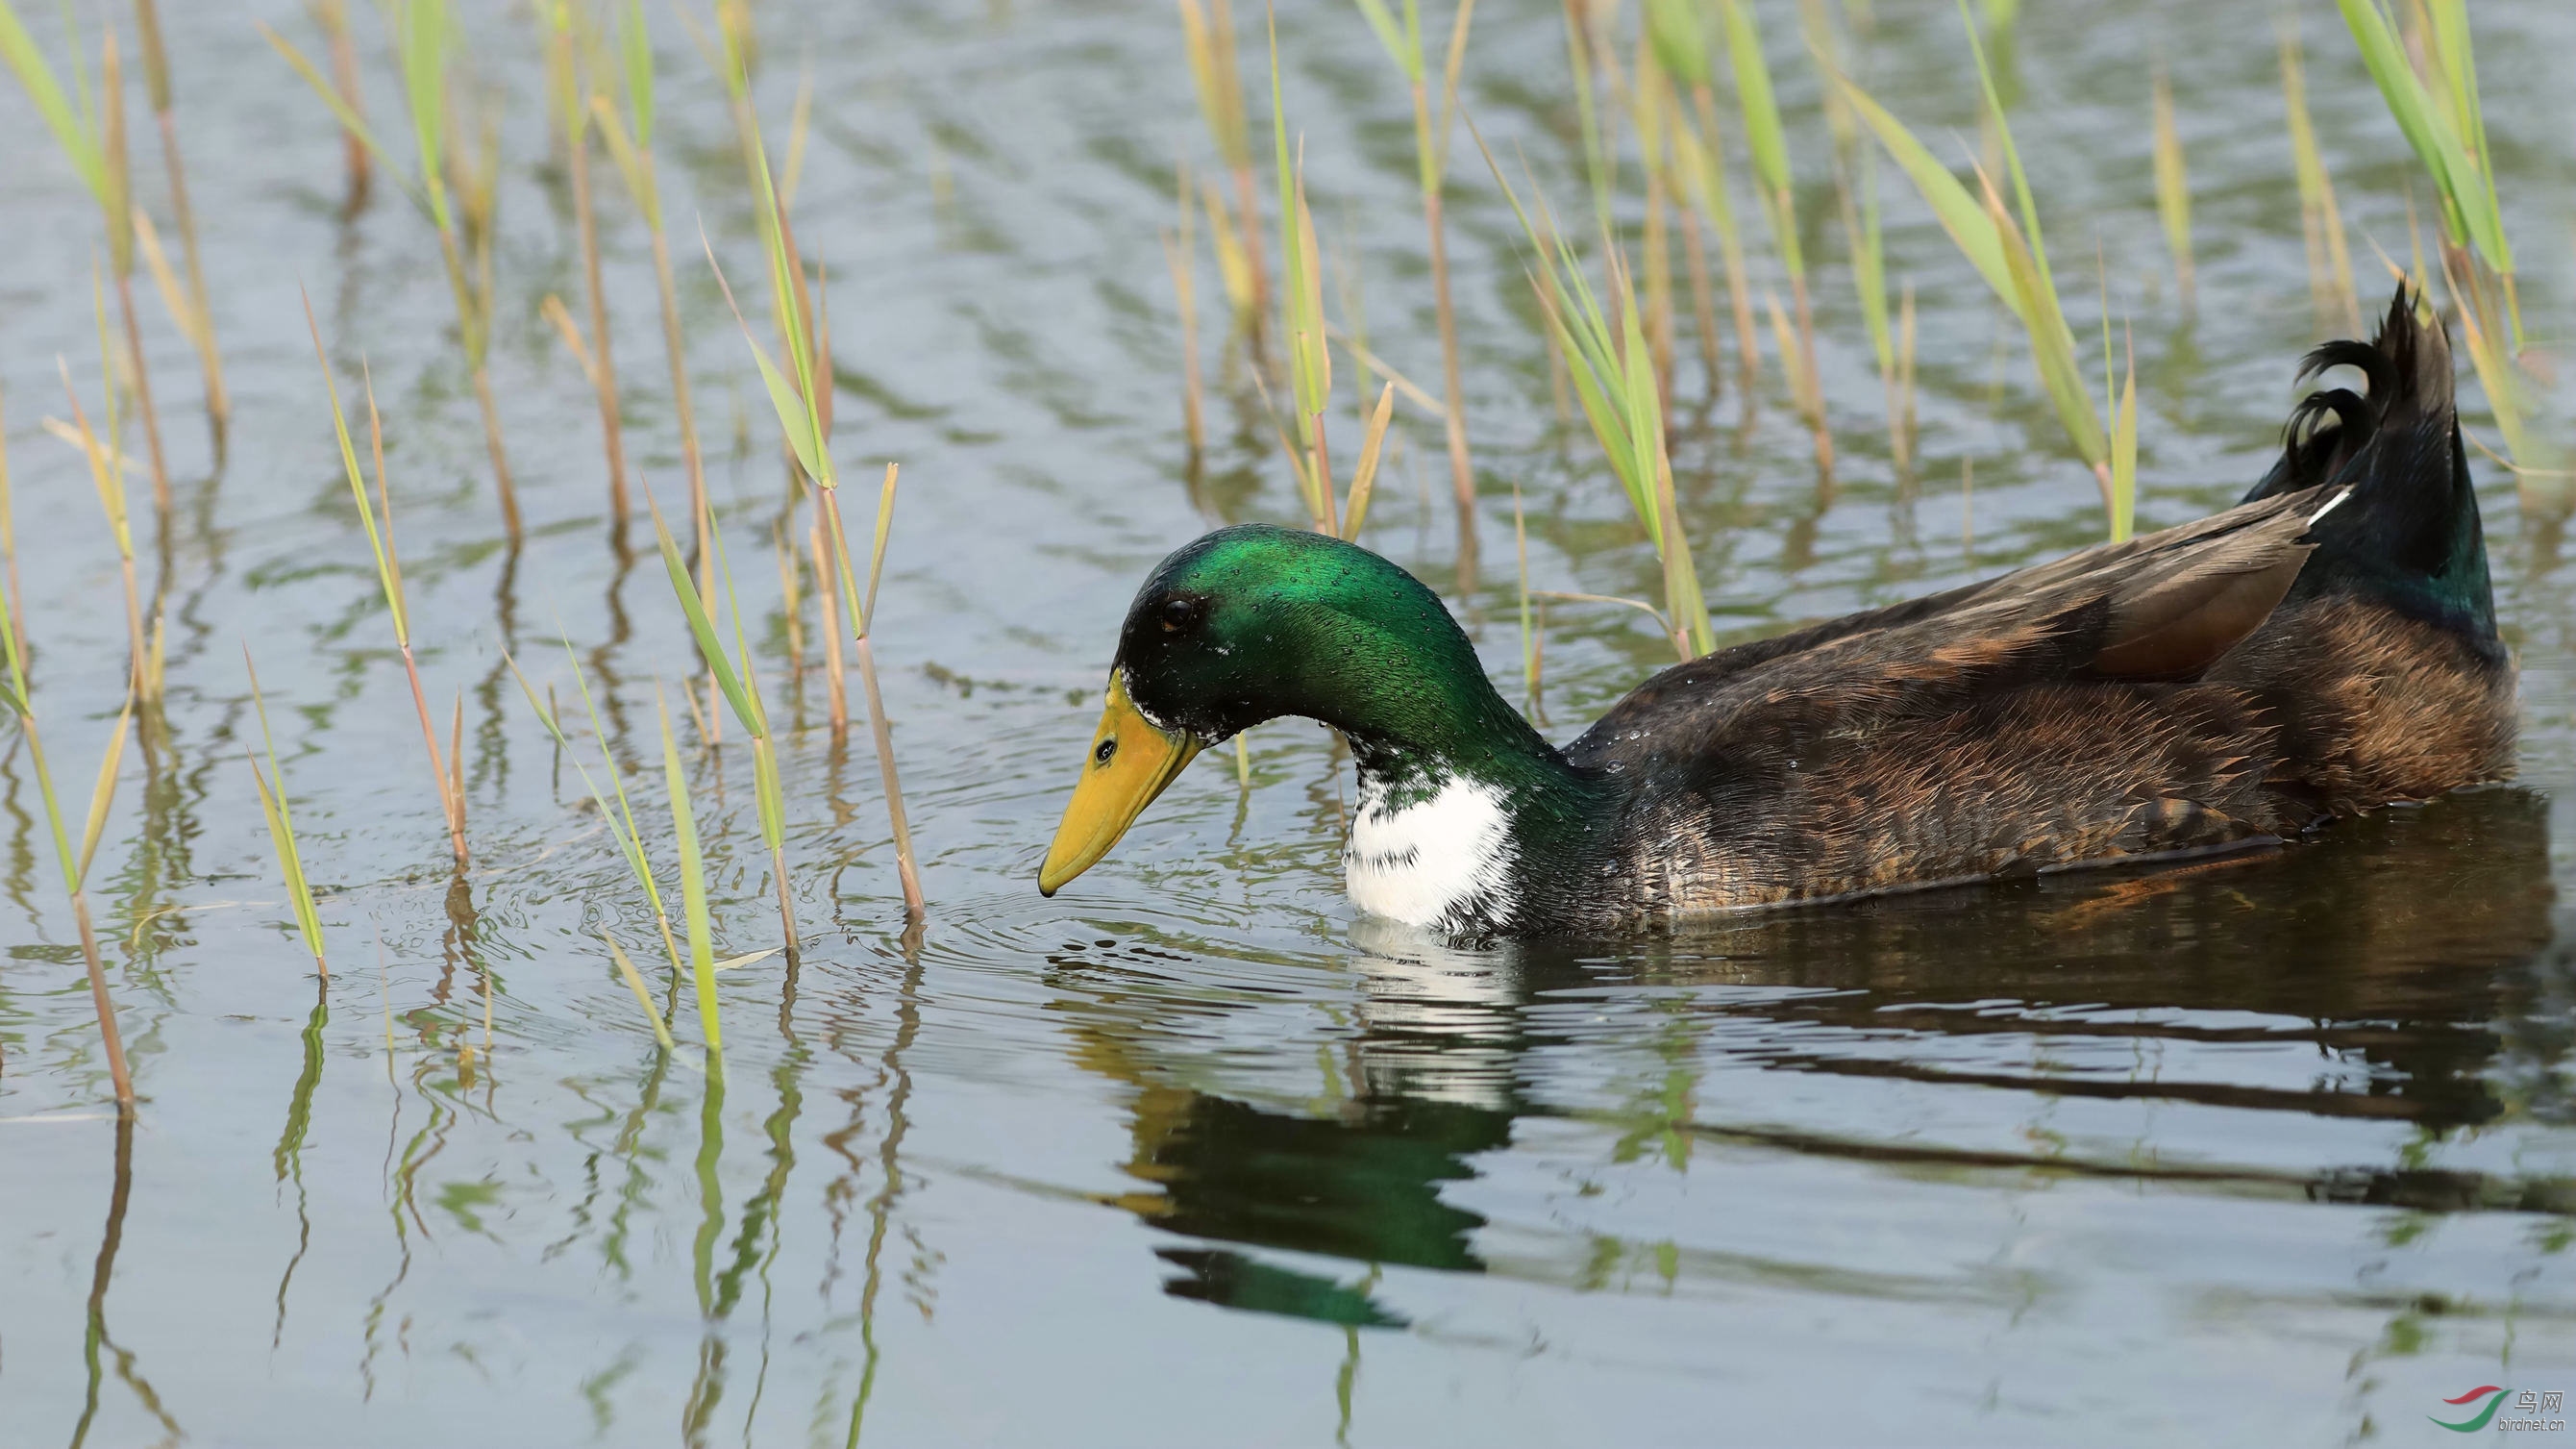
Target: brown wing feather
<point>2162,606</point>
<point>2173,618</point>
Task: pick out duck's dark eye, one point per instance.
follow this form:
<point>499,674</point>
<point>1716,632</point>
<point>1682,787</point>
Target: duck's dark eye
<point>1108,748</point>
<point>1181,613</point>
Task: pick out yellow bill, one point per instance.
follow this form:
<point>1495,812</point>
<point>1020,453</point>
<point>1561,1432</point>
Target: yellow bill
<point>1131,761</point>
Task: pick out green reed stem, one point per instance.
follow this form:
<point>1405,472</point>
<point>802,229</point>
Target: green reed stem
<point>693,880</point>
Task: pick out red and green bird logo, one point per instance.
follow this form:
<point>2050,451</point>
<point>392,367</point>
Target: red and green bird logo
<point>2494,1396</point>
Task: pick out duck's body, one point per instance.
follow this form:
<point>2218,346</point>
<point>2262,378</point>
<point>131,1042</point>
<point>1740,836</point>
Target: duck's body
<point>2326,647</point>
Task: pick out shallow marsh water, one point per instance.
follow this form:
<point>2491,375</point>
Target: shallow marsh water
<point>2279,1149</point>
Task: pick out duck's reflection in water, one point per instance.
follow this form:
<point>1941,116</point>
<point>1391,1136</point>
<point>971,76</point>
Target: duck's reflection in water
<point>2409,962</point>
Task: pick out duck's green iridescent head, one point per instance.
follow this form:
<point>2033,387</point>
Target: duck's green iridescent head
<point>1253,622</point>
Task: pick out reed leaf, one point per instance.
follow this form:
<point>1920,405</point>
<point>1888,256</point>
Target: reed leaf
<point>1208,41</point>
<point>794,398</point>
<point>636,49</point>
<point>106,473</point>
<point>2487,354</point>
<point>623,149</point>
<point>1869,261</point>
<point>2003,133</point>
<point>1677,30</point>
<point>351,122</point>
<point>2468,199</point>
<point>1784,335</point>
<point>280,814</point>
<point>2008,253</point>
<point>877,551</point>
<point>2173,186</point>
<point>643,998</point>
<point>1763,132</point>
<point>1403,43</point>
<point>103,793</point>
<point>1364,476</point>
<point>1233,263</point>
<point>421,37</point>
<point>700,626</point>
<point>79,147</point>
<point>2052,343</point>
<point>786,281</point>
<point>1957,208</point>
<point>189,318</point>
<point>379,538</point>
<point>1301,300</point>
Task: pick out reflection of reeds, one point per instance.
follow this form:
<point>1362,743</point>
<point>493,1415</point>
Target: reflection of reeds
<point>280,815</point>
<point>377,514</point>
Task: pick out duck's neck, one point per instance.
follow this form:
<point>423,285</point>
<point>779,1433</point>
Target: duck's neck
<point>1449,775</point>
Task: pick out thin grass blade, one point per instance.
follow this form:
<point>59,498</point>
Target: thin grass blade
<point>643,997</point>
<point>103,794</point>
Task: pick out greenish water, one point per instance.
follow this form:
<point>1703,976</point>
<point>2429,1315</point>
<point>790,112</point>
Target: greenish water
<point>2276,1151</point>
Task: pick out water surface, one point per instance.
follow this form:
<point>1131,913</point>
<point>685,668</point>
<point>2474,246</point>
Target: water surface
<point>2277,1149</point>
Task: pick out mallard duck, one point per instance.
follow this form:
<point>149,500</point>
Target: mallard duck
<point>2325,647</point>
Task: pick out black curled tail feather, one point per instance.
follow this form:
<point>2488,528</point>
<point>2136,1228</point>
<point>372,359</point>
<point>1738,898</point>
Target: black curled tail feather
<point>2409,535</point>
